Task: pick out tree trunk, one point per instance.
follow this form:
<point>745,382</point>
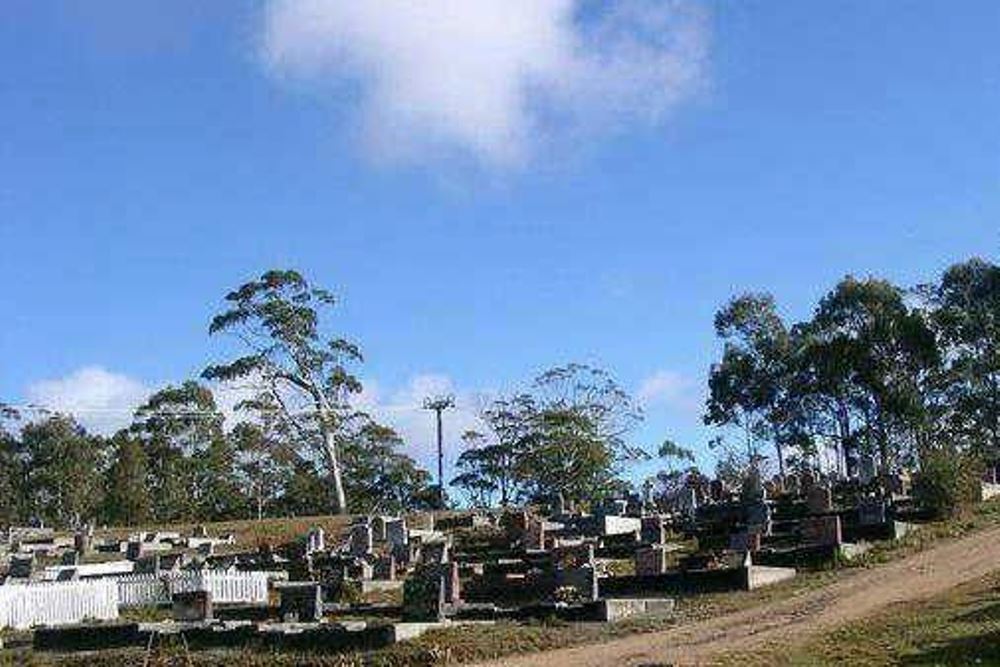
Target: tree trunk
<point>333,460</point>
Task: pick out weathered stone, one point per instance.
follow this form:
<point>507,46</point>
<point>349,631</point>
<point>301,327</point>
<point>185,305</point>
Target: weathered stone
<point>871,511</point>
<point>361,542</point>
<point>424,595</point>
<point>819,500</point>
<point>824,530</point>
<point>301,601</point>
<point>71,557</point>
<point>651,561</point>
<point>620,525</point>
<point>384,568</point>
<point>315,541</point>
<point>534,535</point>
<point>396,532</point>
<point>759,517</point>
<point>192,606</point>
<point>653,531</point>
<point>745,540</point>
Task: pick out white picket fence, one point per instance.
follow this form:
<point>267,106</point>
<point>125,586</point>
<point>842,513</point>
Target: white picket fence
<point>143,590</point>
<point>57,603</point>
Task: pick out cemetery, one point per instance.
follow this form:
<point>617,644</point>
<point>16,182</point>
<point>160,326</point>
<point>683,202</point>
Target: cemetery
<point>386,579</point>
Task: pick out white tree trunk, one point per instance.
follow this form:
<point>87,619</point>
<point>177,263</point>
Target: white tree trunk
<point>333,460</point>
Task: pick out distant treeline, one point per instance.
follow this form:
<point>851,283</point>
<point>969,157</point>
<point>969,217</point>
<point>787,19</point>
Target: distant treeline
<point>879,378</point>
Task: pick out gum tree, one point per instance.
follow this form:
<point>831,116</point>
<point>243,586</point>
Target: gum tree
<point>291,362</point>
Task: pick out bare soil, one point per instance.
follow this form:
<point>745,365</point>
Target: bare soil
<point>857,595</point>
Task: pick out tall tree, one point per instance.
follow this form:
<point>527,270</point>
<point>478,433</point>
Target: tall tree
<point>288,358</point>
<point>578,434</point>
<point>967,317</point>
<point>176,425</point>
<point>11,469</point>
<point>749,387</point>
<point>489,464</point>
<point>882,351</point>
<point>63,479</point>
<point>126,497</point>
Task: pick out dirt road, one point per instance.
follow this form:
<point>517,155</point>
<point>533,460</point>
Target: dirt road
<point>857,595</point>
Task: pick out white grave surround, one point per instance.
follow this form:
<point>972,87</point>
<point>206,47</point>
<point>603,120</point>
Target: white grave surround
<point>57,603</point>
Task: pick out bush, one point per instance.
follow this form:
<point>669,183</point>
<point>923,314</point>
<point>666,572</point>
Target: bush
<point>949,481</point>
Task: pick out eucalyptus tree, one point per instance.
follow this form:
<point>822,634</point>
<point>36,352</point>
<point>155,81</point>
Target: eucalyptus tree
<point>63,480</point>
<point>966,314</point>
<point>287,357</point>
<point>127,500</point>
<point>577,434</point>
<point>876,353</point>
<point>749,388</point>
<point>488,466</point>
<point>179,426</point>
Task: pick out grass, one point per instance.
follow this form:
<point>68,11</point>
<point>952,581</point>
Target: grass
<point>961,627</point>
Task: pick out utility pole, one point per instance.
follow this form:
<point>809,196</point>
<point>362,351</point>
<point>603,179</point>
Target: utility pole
<point>439,405</point>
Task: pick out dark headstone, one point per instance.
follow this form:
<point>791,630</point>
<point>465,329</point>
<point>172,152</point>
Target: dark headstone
<point>301,601</point>
<point>192,606</point>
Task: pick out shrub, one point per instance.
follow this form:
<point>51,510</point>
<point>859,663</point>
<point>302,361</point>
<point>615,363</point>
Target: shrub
<point>949,481</point>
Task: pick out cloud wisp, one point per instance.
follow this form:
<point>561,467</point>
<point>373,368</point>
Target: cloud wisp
<point>490,80</point>
<point>102,401</point>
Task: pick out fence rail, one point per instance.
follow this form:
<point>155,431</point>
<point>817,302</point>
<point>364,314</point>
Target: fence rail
<point>59,603</point>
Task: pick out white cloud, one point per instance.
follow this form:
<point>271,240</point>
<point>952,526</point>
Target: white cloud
<point>100,400</point>
<point>669,389</point>
<point>490,79</point>
<point>403,410</point>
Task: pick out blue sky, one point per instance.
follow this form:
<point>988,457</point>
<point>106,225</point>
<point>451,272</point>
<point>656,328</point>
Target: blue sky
<point>492,188</point>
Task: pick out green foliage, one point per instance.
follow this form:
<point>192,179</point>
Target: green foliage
<point>949,481</point>
<point>300,375</point>
<point>127,499</point>
<point>61,471</point>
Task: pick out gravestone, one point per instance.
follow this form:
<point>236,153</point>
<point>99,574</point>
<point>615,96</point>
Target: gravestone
<point>574,556</point>
<point>396,533</point>
<point>361,542</point>
<point>71,557</point>
<point>301,601</point>
<point>650,561</point>
<point>378,524</point>
<point>686,502</point>
<point>806,481</point>
<point>753,487</point>
<point>424,596</point>
<point>384,568</point>
<point>866,469</point>
<point>82,540</point>
<point>435,553</point>
<point>582,580</point>
<point>871,511</point>
<point>134,550</point>
<point>819,500</point>
<point>824,530</point>
<point>514,524</point>
<point>22,567</point>
<point>759,517</point>
<point>315,541</point>
<point>653,531</point>
<point>534,535</point>
<point>717,490</point>
<point>745,540</point>
<point>192,606</point>
<point>200,531</point>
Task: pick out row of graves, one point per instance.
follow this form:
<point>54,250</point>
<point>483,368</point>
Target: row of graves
<point>405,575</point>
